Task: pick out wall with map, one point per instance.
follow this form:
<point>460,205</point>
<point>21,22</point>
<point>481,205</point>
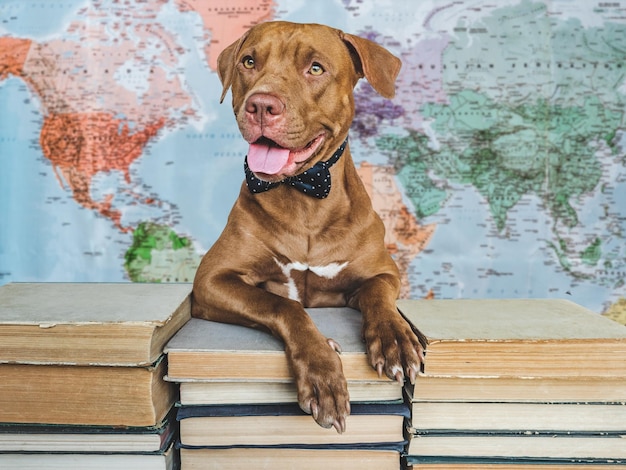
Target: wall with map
<point>499,169</point>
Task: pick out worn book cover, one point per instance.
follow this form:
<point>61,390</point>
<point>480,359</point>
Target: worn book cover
<point>219,392</point>
<point>540,448</point>
<point>113,324</point>
<point>526,417</point>
<point>287,425</point>
<point>85,395</point>
<point>27,438</point>
<point>288,458</point>
<point>518,389</point>
<point>517,337</point>
<point>210,350</point>
<point>160,460</point>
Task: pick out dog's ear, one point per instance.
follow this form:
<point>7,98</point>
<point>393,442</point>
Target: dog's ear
<point>227,62</point>
<point>376,63</point>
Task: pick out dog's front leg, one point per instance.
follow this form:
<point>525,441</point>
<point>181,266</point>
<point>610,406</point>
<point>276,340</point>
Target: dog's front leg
<point>392,346</point>
<point>313,359</point>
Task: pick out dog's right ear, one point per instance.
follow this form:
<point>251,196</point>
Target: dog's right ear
<point>227,63</point>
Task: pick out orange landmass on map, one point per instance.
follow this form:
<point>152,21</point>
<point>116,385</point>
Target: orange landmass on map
<point>405,238</point>
<point>70,76</point>
<point>79,145</point>
<point>13,53</point>
<point>227,20</point>
<point>102,97</point>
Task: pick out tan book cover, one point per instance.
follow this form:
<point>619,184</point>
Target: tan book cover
<point>511,466</point>
<point>92,395</point>
<point>517,337</point>
<point>501,447</point>
<point>120,324</point>
<point>218,392</point>
<point>515,417</point>
<point>209,350</point>
<point>53,438</point>
<point>288,459</point>
<point>166,460</point>
<point>287,425</point>
<point>569,389</point>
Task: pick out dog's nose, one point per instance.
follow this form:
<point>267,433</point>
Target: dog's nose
<point>264,108</point>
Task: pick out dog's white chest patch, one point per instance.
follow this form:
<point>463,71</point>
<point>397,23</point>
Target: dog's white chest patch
<point>328,271</point>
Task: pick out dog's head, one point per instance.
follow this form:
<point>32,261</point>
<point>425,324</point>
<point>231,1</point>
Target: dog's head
<point>292,91</point>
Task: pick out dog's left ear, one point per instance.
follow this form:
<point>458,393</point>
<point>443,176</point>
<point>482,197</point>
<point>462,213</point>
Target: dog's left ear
<point>227,62</point>
<point>376,63</point>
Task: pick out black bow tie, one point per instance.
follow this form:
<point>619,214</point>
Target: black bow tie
<point>313,182</point>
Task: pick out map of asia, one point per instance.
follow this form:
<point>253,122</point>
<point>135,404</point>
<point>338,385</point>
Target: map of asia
<point>499,168</point>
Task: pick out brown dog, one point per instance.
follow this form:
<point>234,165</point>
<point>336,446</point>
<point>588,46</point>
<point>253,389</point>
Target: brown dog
<point>289,243</point>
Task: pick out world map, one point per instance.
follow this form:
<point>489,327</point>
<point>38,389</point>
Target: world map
<point>499,169</point>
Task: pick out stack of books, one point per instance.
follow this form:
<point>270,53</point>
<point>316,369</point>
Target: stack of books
<point>81,375</point>
<point>517,384</point>
<point>238,404</point>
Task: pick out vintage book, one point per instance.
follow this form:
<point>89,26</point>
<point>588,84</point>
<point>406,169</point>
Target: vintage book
<point>517,337</point>
<point>121,324</point>
<point>162,460</point>
<point>208,350</point>
<point>518,389</point>
<point>504,417</point>
<point>472,465</point>
<point>523,448</point>
<point>249,392</point>
<point>85,395</point>
<point>270,425</point>
<point>288,459</point>
<point>17,438</point>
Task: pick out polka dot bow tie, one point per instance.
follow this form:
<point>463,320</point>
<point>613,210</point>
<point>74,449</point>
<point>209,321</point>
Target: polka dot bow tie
<point>314,182</point>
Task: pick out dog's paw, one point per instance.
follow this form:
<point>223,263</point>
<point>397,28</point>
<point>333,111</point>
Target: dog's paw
<point>321,385</point>
<point>393,348</point>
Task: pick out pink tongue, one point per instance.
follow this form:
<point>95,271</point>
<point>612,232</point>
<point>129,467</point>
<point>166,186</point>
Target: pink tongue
<point>267,159</point>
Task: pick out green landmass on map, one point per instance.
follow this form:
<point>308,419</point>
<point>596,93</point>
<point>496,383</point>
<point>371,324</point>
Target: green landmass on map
<point>592,254</point>
<point>504,159</point>
<point>507,152</point>
<point>524,119</point>
<point>159,254</point>
<point>412,160</point>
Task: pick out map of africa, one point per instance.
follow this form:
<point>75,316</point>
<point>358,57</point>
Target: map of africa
<point>499,168</point>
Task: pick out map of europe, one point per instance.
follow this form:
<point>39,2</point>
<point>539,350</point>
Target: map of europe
<point>499,169</point>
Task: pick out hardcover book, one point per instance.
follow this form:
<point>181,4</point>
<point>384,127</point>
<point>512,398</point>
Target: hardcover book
<point>516,337</point>
<point>79,395</point>
<point>204,350</point>
<point>287,425</point>
<point>111,324</point>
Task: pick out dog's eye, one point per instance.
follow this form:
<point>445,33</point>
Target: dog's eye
<point>248,62</point>
<point>316,69</point>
